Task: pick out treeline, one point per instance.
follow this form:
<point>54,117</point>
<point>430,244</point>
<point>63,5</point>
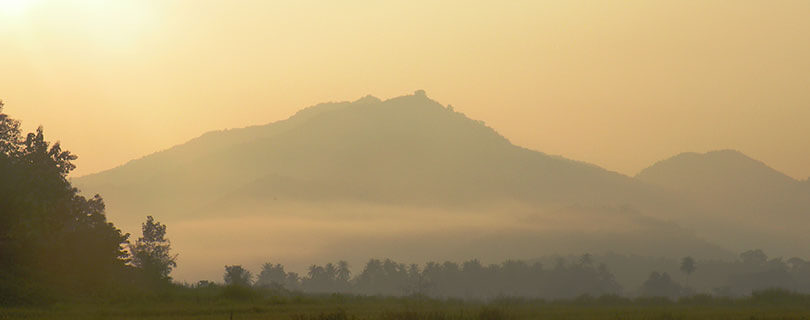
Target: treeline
<point>564,279</point>
<point>470,280</point>
<point>754,271</point>
<point>751,271</point>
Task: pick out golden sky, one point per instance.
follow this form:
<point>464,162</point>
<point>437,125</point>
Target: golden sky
<point>620,84</point>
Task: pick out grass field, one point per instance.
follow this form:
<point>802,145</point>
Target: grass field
<point>337,307</point>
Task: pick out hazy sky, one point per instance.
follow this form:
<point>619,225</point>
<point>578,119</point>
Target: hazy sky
<point>621,84</point>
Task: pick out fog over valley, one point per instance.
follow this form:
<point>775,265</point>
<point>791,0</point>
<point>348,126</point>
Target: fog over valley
<point>404,160</point>
<point>394,178</point>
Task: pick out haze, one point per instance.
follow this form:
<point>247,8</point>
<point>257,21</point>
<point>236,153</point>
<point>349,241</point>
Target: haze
<point>618,84</point>
<point>473,150</point>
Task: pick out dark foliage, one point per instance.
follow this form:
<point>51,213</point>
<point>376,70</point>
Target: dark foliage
<point>151,253</point>
<point>53,241</point>
<point>470,280</point>
<point>236,276</point>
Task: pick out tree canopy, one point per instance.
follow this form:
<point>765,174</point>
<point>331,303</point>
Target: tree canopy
<point>53,241</point>
<point>151,253</point>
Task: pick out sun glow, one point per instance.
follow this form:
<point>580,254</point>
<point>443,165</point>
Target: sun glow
<point>11,8</point>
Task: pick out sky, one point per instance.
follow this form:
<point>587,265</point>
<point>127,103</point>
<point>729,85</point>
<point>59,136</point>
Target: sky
<point>621,84</point>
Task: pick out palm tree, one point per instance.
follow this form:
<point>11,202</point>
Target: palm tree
<point>343,273</point>
<point>687,267</point>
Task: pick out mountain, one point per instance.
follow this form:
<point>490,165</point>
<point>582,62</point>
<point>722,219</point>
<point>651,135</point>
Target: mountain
<point>408,150</point>
<point>717,173</point>
<point>399,177</point>
<point>737,195</point>
<point>731,180</point>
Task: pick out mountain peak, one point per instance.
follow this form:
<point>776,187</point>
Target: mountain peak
<point>714,155</point>
<point>368,99</point>
<point>408,150</point>
<point>728,154</point>
<point>719,169</point>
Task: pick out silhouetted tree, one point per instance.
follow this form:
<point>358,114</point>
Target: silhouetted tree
<point>53,241</point>
<point>343,272</point>
<point>317,279</point>
<point>151,253</point>
<point>272,276</point>
<point>687,267</point>
<point>383,277</point>
<point>237,276</point>
<point>292,281</point>
<point>329,278</point>
<point>417,282</point>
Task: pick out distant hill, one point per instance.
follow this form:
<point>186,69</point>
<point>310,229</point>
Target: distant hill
<point>371,176</point>
<point>408,150</point>
<point>717,173</point>
<point>729,179</point>
<point>735,193</point>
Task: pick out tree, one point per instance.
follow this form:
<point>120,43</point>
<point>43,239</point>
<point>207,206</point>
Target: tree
<point>237,276</point>
<point>10,137</point>
<point>292,281</point>
<point>688,267</point>
<point>54,242</point>
<point>151,253</point>
<point>342,276</point>
<point>343,272</point>
<point>272,276</point>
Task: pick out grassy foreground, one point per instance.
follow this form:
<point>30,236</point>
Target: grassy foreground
<point>338,307</point>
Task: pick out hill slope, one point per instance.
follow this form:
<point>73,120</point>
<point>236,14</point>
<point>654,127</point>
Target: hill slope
<point>716,173</point>
<point>737,196</point>
<point>729,179</point>
<point>387,178</point>
<point>408,150</point>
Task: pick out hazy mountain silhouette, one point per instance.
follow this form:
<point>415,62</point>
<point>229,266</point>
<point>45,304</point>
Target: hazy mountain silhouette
<point>730,179</point>
<point>406,150</point>
<point>736,194</point>
<point>717,173</point>
<point>388,170</point>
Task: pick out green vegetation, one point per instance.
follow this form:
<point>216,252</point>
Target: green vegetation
<point>212,303</point>
<point>53,241</point>
<point>57,245</point>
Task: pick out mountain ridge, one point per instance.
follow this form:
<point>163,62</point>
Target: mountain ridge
<point>392,116</point>
<point>722,156</point>
<point>408,154</point>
